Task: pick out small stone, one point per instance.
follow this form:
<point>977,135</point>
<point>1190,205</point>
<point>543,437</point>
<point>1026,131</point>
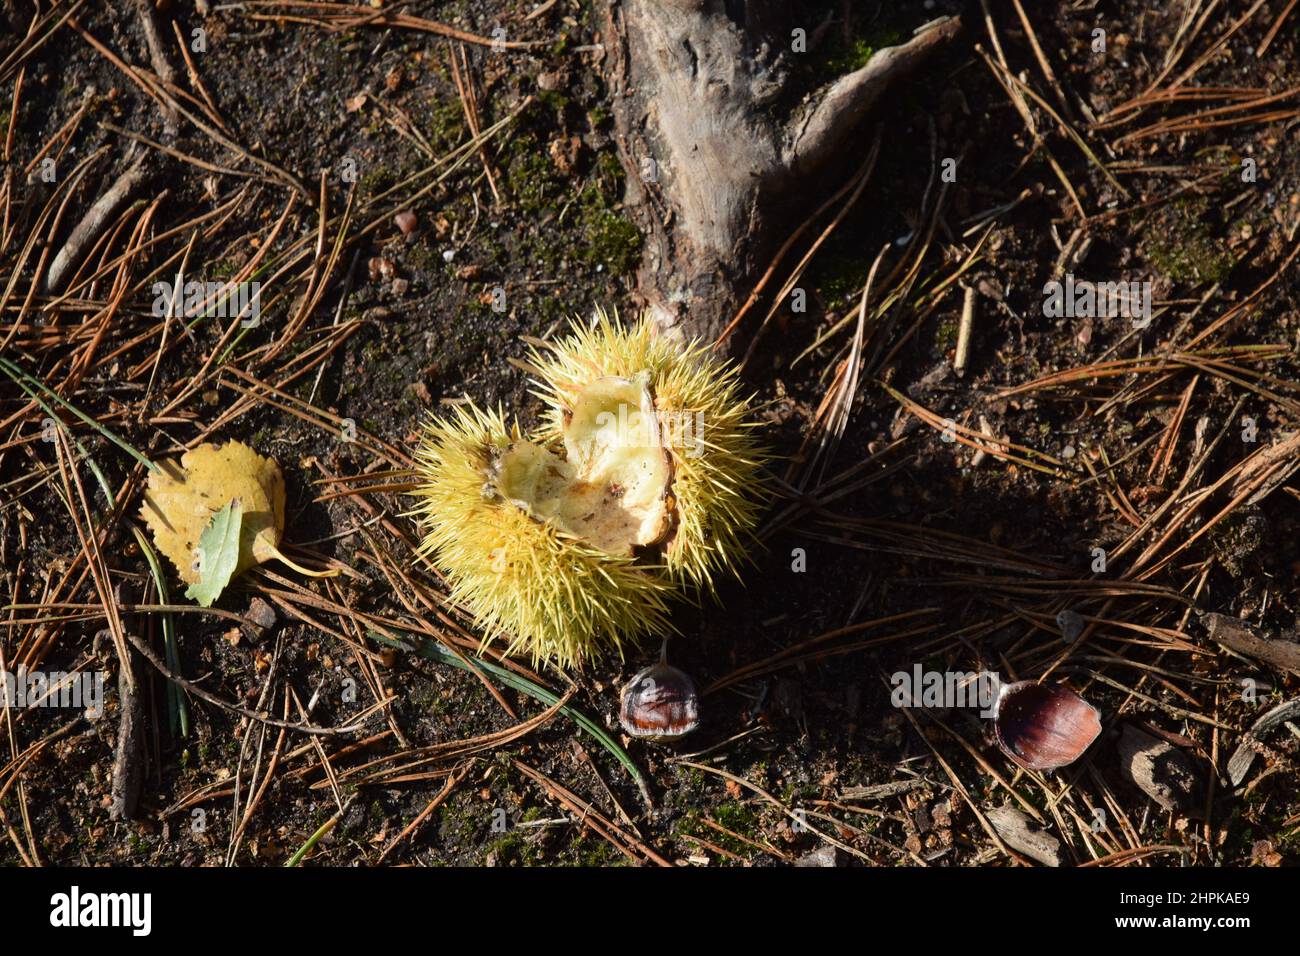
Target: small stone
<point>406,222</point>
<point>1071,625</point>
<point>824,856</point>
<point>261,614</point>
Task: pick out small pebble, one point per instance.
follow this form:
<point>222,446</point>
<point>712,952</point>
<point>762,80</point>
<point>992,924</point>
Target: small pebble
<point>405,222</point>
<point>1071,625</point>
<point>261,614</point>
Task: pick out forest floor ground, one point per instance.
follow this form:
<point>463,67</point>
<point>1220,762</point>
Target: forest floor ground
<point>392,183</point>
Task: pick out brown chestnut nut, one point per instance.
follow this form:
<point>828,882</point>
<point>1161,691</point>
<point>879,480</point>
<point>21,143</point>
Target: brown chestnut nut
<point>660,702</point>
<point>1044,726</point>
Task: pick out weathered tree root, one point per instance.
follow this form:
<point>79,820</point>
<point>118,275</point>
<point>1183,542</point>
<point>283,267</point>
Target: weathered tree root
<point>711,169</point>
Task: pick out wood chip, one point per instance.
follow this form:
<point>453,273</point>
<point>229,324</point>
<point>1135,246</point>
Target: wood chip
<point>1236,635</point>
<point>1025,836</point>
<point>1158,769</point>
<point>1243,757</point>
<point>128,759</point>
<point>882,791</point>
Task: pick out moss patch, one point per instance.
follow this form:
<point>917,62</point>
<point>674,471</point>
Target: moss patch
<point>1179,243</point>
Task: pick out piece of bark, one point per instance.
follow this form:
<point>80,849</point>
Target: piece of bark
<point>1158,769</point>
<point>128,758</point>
<point>1025,836</point>
<point>1243,757</point>
<point>714,173</point>
<point>1236,635</point>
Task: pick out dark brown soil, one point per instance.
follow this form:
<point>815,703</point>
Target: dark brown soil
<point>933,558</point>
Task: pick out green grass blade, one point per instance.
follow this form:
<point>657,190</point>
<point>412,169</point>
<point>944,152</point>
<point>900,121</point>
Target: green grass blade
<point>436,652</point>
<point>25,381</point>
<point>315,838</point>
<point>177,707</point>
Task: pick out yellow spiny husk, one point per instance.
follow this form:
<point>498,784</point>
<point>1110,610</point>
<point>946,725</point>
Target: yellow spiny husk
<point>717,479</point>
<point>548,592</point>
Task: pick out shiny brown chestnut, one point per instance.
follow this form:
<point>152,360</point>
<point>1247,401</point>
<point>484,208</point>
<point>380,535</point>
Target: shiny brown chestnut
<point>1044,726</point>
<point>660,703</point>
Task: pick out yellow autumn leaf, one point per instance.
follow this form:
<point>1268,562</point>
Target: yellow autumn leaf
<point>183,496</point>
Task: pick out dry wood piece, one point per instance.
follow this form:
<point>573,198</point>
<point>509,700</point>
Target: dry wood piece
<point>1025,836</point>
<point>1243,757</point>
<point>713,169</point>
<point>1236,635</point>
<point>128,758</point>
<point>98,218</point>
<point>882,791</point>
<point>158,57</point>
<point>1158,769</point>
<point>964,332</point>
<point>1268,469</point>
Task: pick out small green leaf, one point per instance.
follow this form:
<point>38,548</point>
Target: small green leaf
<point>218,554</point>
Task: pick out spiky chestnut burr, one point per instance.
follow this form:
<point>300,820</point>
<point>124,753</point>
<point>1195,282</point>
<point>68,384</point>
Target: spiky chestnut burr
<point>546,591</point>
<point>644,478</point>
<point>717,483</point>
